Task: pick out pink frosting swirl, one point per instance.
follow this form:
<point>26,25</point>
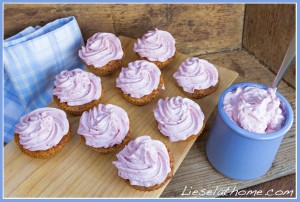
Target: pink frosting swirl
<point>42,128</point>
<point>156,45</point>
<point>144,162</point>
<point>100,49</point>
<point>140,78</point>
<point>178,118</point>
<point>104,126</point>
<point>254,109</point>
<point>196,74</point>
<point>77,87</point>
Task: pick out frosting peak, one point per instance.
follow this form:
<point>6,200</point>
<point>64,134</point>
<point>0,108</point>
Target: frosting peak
<point>104,126</point>
<point>156,45</point>
<point>100,49</point>
<point>178,118</point>
<point>77,87</point>
<point>144,162</point>
<point>196,74</point>
<point>140,78</point>
<point>42,128</point>
<point>254,109</point>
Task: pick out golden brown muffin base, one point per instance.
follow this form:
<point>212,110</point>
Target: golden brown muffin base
<point>108,69</point>
<point>190,137</point>
<point>205,92</point>
<point>157,186</point>
<point>103,150</point>
<point>78,110</point>
<point>44,153</point>
<point>147,98</point>
<point>160,65</point>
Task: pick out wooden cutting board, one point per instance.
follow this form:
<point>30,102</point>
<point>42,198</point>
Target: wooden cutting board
<point>78,171</point>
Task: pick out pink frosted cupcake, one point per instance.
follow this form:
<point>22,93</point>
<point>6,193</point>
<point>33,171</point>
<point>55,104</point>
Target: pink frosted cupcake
<point>76,91</point>
<point>43,132</point>
<point>102,54</point>
<point>140,82</point>
<point>146,164</point>
<point>104,128</point>
<point>156,46</point>
<point>179,118</point>
<point>198,78</point>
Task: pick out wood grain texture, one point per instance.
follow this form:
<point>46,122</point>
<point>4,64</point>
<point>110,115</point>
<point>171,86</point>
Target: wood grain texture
<point>284,187</point>
<point>78,171</point>
<point>198,29</point>
<point>196,171</point>
<point>268,29</point>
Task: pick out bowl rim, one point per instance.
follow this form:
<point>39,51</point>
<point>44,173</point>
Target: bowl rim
<point>256,136</point>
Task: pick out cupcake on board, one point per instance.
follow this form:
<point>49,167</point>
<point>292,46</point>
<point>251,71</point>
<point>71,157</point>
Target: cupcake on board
<point>179,119</point>
<point>102,54</point>
<point>146,164</point>
<point>77,91</point>
<point>197,77</point>
<point>43,132</point>
<point>156,46</point>
<point>104,128</point>
<point>140,82</point>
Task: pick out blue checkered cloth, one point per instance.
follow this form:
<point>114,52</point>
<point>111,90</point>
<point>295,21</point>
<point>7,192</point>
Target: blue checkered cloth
<point>32,58</point>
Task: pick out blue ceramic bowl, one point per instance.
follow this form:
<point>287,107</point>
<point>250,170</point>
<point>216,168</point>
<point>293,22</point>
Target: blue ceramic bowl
<point>238,153</point>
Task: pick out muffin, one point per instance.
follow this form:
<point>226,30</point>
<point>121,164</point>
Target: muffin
<point>198,78</point>
<point>145,164</point>
<point>140,82</point>
<point>102,54</point>
<point>156,46</point>
<point>43,132</point>
<point>179,118</point>
<point>76,91</point>
<point>104,128</point>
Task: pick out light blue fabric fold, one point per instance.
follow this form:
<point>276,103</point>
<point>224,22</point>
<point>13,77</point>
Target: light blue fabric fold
<point>32,59</point>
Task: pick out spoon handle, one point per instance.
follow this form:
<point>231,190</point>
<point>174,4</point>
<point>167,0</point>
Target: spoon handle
<point>288,58</point>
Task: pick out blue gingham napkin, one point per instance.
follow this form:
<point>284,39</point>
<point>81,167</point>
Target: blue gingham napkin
<point>32,58</point>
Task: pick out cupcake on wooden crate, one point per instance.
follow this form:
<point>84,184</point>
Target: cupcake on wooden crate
<point>156,46</point>
<point>43,132</point>
<point>179,119</point>
<point>197,77</point>
<point>76,91</point>
<point>146,164</point>
<point>102,54</point>
<point>105,128</point>
<point>140,82</point>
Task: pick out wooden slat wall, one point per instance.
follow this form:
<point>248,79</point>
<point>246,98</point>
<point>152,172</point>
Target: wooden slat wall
<point>198,29</point>
<point>268,30</point>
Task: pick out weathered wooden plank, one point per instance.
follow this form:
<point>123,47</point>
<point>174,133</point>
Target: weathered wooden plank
<point>196,171</point>
<point>197,28</point>
<point>268,29</point>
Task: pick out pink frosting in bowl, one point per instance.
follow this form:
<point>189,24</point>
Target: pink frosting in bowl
<point>104,126</point>
<point>77,87</point>
<point>42,128</point>
<point>140,78</point>
<point>254,109</point>
<point>156,45</point>
<point>144,162</point>
<point>196,74</point>
<point>100,49</point>
<point>178,118</point>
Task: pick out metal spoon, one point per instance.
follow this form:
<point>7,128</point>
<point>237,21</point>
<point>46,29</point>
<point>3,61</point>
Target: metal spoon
<point>288,58</point>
